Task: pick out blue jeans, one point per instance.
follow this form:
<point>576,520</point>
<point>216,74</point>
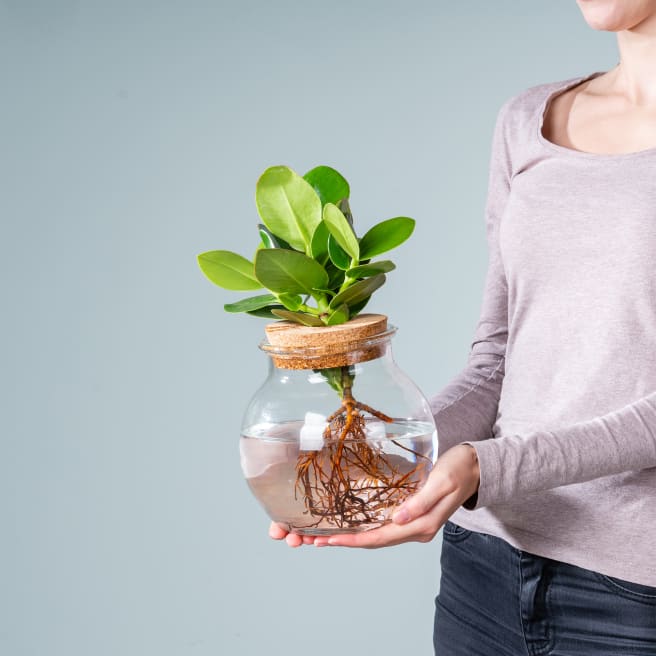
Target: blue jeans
<point>496,600</point>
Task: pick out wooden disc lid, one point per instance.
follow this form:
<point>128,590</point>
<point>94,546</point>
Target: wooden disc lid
<point>293,346</point>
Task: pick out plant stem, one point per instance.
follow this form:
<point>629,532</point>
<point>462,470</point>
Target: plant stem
<point>308,309</point>
<point>348,281</point>
<point>322,303</point>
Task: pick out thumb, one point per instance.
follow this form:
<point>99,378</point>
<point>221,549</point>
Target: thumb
<point>422,502</point>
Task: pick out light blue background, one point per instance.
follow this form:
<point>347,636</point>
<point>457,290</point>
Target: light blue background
<point>132,135</point>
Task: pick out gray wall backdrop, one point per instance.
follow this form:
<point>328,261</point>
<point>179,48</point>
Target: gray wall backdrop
<point>132,135</point>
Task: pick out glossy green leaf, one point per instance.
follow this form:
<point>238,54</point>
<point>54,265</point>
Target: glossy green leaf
<point>346,210</point>
<point>298,317</point>
<point>284,271</point>
<point>335,377</point>
<point>356,308</point>
<point>339,315</point>
<point>228,270</point>
<point>336,276</point>
<point>266,312</point>
<point>269,240</point>
<point>338,256</point>
<point>385,235</point>
<point>358,291</point>
<point>319,244</point>
<point>330,185</point>
<point>259,247</point>
<point>252,303</point>
<point>290,301</point>
<point>324,290</point>
<point>340,230</point>
<point>288,205</point>
<point>368,270</point>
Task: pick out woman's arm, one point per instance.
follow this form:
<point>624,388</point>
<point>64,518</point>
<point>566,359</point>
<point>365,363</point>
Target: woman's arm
<point>620,441</point>
<point>466,408</point>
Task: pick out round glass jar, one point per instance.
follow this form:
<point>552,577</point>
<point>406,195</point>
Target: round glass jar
<point>337,436</point>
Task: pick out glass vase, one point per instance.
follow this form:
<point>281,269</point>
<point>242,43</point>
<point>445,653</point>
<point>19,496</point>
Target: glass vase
<point>337,435</point>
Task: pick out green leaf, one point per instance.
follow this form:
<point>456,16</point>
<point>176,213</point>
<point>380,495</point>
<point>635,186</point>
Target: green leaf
<point>358,291</point>
<point>346,210</point>
<point>341,230</point>
<point>228,270</point>
<point>338,377</point>
<point>284,271</point>
<point>288,205</point>
<point>319,244</point>
<point>330,185</point>
<point>266,312</point>
<point>339,315</point>
<point>333,377</point>
<point>338,256</point>
<point>260,246</point>
<point>368,270</point>
<point>330,292</point>
<point>290,301</point>
<point>251,303</point>
<point>298,317</point>
<point>336,276</point>
<point>385,235</point>
<point>356,308</point>
<point>270,240</point>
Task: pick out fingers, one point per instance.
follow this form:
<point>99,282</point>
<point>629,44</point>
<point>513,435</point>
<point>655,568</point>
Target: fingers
<point>421,503</point>
<point>280,532</point>
<point>294,540</point>
<point>422,529</point>
<point>387,535</point>
<point>277,531</point>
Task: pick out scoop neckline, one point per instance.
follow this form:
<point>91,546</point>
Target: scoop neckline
<point>564,150</point>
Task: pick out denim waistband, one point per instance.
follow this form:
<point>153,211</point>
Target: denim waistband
<point>496,600</point>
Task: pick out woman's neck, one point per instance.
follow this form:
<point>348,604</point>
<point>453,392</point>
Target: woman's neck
<point>635,75</point>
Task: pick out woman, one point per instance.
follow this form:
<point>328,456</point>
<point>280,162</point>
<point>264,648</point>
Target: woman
<point>546,478</point>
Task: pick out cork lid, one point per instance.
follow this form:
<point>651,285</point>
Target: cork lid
<point>293,346</point>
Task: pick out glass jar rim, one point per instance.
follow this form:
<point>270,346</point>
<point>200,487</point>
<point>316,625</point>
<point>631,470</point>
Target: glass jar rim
<point>342,347</point>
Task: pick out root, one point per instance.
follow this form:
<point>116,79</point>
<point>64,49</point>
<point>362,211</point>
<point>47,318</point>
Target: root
<point>350,482</point>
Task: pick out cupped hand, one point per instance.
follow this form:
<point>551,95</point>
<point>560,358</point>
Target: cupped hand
<point>454,478</point>
<point>280,532</point>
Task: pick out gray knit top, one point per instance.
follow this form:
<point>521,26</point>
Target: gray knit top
<point>558,396</point>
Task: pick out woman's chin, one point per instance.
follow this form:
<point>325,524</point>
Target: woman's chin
<point>616,15</point>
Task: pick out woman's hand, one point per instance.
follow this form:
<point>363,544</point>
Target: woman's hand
<point>279,532</point>
<point>454,478</point>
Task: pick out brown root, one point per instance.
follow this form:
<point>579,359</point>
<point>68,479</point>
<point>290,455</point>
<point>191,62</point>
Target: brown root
<point>350,482</point>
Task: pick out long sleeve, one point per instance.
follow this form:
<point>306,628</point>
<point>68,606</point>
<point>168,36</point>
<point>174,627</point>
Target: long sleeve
<point>620,441</point>
<point>466,408</point>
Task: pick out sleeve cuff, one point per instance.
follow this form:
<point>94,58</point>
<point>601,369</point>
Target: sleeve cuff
<point>489,465</point>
